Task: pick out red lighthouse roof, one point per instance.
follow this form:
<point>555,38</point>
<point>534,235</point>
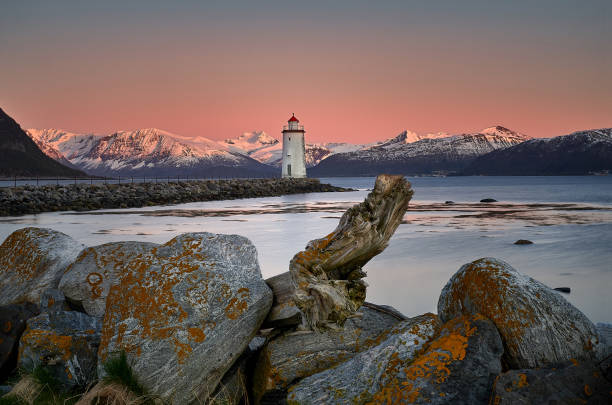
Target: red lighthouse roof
<point>293,119</point>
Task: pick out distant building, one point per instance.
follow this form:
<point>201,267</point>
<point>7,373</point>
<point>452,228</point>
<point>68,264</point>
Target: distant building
<point>294,157</point>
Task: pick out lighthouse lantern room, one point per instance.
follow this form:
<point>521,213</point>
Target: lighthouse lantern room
<point>294,157</point>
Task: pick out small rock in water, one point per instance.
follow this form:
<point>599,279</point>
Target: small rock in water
<point>523,242</point>
<point>449,202</point>
<point>562,289</point>
<point>488,200</point>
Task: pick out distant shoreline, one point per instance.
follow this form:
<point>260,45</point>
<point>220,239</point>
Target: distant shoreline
<point>23,200</point>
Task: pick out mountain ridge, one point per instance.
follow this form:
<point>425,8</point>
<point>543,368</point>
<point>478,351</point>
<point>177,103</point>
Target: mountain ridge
<point>578,153</point>
<point>21,156</point>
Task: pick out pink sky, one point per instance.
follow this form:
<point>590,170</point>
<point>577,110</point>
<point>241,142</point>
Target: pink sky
<point>355,76</point>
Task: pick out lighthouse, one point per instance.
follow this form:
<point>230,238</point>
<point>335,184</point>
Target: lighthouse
<point>294,159</point>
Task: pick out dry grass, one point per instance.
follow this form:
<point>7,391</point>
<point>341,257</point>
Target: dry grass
<point>110,394</point>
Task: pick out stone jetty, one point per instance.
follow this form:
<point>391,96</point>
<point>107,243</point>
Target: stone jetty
<point>83,197</point>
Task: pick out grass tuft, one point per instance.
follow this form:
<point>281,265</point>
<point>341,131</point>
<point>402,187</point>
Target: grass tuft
<point>11,400</point>
<point>119,371</point>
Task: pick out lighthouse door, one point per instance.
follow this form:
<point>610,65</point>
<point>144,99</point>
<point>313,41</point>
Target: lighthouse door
<point>289,170</point>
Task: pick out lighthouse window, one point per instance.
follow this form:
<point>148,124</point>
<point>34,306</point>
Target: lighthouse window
<point>289,138</point>
<point>289,170</point>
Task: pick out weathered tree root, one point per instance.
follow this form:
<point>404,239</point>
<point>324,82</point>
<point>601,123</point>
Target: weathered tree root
<point>327,276</point>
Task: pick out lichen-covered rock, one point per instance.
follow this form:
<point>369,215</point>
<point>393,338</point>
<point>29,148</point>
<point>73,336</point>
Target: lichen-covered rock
<point>88,279</point>
<point>537,325</point>
<point>12,324</point>
<point>571,383</point>
<point>33,260</point>
<point>184,312</point>
<point>53,300</point>
<point>65,342</point>
<point>605,337</point>
<point>360,379</point>
<point>295,355</point>
<point>458,367</point>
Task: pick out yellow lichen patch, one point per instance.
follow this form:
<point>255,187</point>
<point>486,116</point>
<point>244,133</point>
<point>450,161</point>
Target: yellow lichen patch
<point>20,253</point>
<point>147,294</point>
<point>521,382</point>
<point>587,390</point>
<point>49,341</point>
<point>196,334</point>
<point>237,305</point>
<point>487,287</point>
<point>6,328</point>
<point>400,381</point>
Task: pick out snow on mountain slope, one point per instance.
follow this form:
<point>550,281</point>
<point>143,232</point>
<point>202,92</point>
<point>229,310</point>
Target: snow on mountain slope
<point>405,137</point>
<point>59,144</point>
<point>266,149</point>
<point>151,150</point>
<point>432,153</point>
<point>250,142</point>
<point>470,144</point>
<point>578,153</point>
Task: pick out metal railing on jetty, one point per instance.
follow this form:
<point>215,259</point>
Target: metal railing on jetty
<point>43,181</point>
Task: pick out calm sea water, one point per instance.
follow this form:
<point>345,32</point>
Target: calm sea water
<point>569,219</point>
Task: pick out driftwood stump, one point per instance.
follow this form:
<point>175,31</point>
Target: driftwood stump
<point>327,276</point>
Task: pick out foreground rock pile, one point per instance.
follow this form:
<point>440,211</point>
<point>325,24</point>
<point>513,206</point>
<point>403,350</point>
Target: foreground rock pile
<point>197,324</point>
<point>81,197</point>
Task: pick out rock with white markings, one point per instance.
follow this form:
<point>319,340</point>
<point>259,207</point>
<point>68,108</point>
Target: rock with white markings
<point>32,260</point>
<point>184,312</point>
<point>537,325</point>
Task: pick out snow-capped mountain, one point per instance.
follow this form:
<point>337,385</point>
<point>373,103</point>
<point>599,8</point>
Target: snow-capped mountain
<point>63,145</point>
<point>147,152</point>
<point>578,153</point>
<point>431,153</point>
<point>269,150</point>
<point>154,152</point>
<point>20,156</point>
<point>250,142</point>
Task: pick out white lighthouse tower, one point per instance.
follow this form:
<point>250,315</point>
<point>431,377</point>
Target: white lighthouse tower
<point>294,159</point>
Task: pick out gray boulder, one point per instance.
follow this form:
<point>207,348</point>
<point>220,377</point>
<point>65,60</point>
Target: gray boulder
<point>605,336</point>
<point>295,355</point>
<point>66,342</point>
<point>184,312</point>
<point>359,379</point>
<point>571,383</point>
<point>33,260</point>
<point>537,325</point>
<point>87,281</point>
<point>12,324</point>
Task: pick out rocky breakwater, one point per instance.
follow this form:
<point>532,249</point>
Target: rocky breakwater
<point>82,197</point>
<point>194,323</point>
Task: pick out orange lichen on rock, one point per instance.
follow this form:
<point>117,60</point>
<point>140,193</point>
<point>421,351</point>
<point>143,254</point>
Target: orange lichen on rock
<point>148,297</point>
<point>20,253</point>
<point>172,305</point>
<point>401,383</point>
<point>53,343</point>
<point>536,324</point>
